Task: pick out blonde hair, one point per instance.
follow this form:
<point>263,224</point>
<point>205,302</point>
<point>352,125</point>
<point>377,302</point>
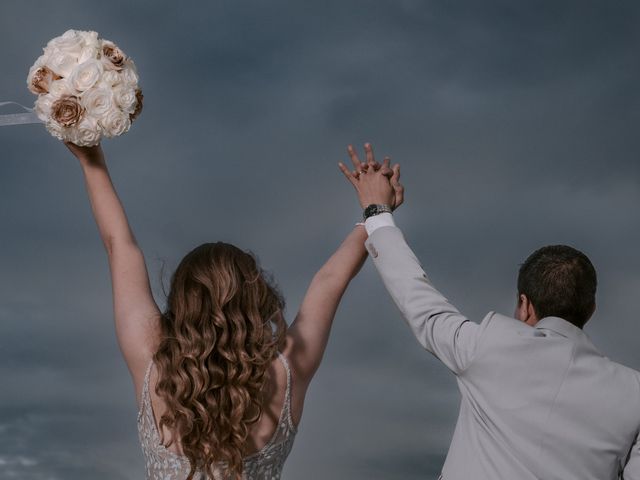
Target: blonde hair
<point>222,328</point>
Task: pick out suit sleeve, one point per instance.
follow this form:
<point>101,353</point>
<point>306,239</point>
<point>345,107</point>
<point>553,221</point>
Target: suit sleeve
<point>439,327</point>
<point>632,467</point>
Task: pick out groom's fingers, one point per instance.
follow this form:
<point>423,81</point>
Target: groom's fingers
<point>396,173</point>
<point>357,165</point>
<point>399,197</point>
<point>397,186</point>
<point>368,150</point>
<point>385,170</point>
<point>347,173</point>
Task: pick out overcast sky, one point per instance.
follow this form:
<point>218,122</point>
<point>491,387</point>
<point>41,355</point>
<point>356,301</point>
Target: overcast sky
<point>516,125</point>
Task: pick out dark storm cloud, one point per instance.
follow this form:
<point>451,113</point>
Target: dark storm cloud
<point>515,124</point>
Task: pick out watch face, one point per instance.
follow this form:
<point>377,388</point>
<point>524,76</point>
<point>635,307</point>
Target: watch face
<point>372,210</point>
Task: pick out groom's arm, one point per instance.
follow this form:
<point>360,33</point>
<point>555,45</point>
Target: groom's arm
<point>437,325</point>
<point>632,468</point>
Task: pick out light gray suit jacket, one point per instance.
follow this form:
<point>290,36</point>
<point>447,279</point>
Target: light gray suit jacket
<point>537,402</point>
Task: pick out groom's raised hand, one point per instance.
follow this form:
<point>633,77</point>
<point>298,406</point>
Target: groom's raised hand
<point>374,183</point>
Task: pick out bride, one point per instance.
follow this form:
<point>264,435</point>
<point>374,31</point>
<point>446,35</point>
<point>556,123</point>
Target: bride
<point>220,379</point>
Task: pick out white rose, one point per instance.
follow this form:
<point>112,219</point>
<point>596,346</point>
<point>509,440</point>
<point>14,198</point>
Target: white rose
<point>85,75</point>
<point>125,98</point>
<point>63,52</point>
<point>130,74</point>
<point>61,63</point>
<point>88,53</point>
<point>109,79</point>
<point>97,101</point>
<point>58,131</point>
<point>60,88</point>
<point>115,123</point>
<point>88,132</point>
<point>40,61</point>
<point>90,39</point>
<point>43,106</point>
<point>70,42</point>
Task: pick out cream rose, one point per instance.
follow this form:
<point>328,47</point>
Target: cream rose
<point>129,73</point>
<point>115,123</point>
<point>62,63</point>
<point>89,38</point>
<point>125,98</point>
<point>91,49</point>
<point>60,88</point>
<point>58,131</point>
<point>85,75</point>
<point>87,53</point>
<point>98,101</point>
<point>43,107</point>
<point>70,42</point>
<point>67,111</point>
<point>110,78</point>
<point>63,52</point>
<point>87,133</point>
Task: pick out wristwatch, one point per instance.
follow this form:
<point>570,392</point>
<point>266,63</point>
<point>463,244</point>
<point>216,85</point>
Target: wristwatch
<point>375,209</point>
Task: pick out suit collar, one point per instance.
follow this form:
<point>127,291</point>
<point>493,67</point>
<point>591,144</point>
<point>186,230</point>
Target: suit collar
<point>560,326</point>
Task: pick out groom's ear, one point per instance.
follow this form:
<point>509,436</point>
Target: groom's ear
<point>531,317</point>
<point>526,312</point>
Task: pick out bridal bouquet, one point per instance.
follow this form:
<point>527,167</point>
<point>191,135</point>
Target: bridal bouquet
<point>87,88</point>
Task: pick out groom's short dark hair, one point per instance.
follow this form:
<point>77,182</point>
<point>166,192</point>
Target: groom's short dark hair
<point>559,281</point>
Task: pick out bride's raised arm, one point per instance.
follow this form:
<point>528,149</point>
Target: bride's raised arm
<point>136,313</point>
<point>309,332</point>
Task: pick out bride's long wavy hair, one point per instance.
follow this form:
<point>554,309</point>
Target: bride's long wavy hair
<point>222,327</point>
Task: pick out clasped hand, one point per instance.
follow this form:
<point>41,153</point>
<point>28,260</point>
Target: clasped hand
<point>375,183</point>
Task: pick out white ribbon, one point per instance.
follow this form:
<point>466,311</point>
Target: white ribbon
<point>18,118</point>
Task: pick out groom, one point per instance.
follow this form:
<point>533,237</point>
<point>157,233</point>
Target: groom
<point>539,402</point>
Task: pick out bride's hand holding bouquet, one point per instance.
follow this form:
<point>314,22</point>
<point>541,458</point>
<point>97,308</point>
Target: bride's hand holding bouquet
<point>86,155</point>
